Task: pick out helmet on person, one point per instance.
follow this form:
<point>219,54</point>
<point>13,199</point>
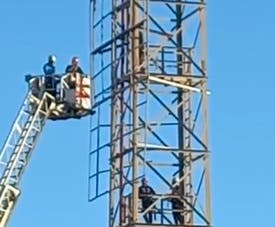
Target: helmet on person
<point>144,180</point>
<point>52,58</point>
<point>75,60</point>
<point>174,180</point>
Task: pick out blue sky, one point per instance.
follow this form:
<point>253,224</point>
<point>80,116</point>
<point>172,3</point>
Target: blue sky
<point>240,67</point>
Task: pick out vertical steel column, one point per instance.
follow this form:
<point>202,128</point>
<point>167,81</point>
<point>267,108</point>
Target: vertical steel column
<point>114,119</point>
<point>181,164</point>
<point>187,105</point>
<point>205,135</point>
<point>134,88</point>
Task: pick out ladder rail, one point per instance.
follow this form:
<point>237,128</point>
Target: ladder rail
<point>28,153</point>
<point>26,137</point>
<point>19,148</point>
<point>19,114</point>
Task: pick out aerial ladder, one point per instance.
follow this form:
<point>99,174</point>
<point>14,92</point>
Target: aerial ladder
<point>49,97</point>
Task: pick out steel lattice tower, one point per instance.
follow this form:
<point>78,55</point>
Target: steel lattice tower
<point>148,63</point>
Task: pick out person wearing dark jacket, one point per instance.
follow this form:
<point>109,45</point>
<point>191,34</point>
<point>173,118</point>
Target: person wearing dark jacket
<point>146,193</point>
<point>74,67</point>
<point>177,204</point>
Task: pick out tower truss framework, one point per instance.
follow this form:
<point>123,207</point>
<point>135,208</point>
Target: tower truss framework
<point>148,63</point>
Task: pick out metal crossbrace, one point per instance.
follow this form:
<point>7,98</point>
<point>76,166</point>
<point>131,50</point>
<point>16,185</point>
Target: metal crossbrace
<point>18,147</point>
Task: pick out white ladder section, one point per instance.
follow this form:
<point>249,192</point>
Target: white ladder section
<point>18,147</point>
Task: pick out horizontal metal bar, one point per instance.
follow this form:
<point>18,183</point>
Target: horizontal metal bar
<point>186,87</point>
<point>177,2</point>
<point>166,148</point>
<point>99,173</point>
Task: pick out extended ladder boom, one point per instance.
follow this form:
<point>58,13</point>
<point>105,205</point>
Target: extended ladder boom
<point>53,97</point>
<point>18,148</point>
